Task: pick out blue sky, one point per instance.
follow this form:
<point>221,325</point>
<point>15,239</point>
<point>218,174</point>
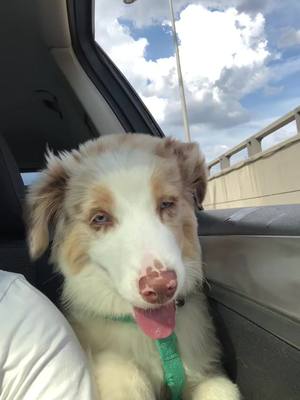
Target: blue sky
<point>241,63</point>
<point>158,36</point>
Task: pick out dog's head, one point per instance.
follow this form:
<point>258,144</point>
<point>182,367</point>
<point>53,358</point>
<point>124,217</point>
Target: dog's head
<point>122,212</point>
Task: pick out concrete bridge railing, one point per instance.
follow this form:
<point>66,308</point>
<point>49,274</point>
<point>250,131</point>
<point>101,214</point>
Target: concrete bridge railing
<point>265,177</point>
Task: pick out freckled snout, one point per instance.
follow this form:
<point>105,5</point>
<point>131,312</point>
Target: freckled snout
<point>157,286</point>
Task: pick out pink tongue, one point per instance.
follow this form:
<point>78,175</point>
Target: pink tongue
<point>158,323</point>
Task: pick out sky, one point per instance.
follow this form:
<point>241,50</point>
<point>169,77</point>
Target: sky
<point>240,62</point>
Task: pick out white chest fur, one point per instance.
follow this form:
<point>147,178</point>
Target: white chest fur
<point>125,343</point>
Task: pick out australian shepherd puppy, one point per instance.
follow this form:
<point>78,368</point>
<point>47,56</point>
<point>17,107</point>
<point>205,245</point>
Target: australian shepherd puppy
<point>125,239</point>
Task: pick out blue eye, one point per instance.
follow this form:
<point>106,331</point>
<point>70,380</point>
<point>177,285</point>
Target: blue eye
<point>101,219</point>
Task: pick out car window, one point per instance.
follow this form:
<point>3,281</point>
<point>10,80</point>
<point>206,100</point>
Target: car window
<point>240,61</point>
<point>29,177</point>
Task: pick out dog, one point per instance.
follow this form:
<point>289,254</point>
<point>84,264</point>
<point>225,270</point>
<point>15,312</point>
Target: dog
<point>122,211</point>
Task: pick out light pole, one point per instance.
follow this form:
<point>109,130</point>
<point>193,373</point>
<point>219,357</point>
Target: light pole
<point>186,125</point>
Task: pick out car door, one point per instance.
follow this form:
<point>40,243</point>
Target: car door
<point>251,258</point>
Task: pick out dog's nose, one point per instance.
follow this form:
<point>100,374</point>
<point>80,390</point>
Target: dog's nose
<point>157,287</point>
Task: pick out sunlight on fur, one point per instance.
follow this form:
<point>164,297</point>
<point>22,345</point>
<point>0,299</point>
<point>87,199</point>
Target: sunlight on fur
<point>122,209</point>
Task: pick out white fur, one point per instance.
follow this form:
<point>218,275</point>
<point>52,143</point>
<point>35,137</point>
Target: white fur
<point>216,388</point>
<point>127,365</point>
<point>126,362</point>
<point>117,257</point>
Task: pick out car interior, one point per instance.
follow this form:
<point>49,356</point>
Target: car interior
<point>59,89</point>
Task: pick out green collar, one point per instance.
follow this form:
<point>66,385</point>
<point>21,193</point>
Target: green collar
<point>174,374</point>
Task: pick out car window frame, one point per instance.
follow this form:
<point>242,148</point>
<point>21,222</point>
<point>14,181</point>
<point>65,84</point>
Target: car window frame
<point>124,101</point>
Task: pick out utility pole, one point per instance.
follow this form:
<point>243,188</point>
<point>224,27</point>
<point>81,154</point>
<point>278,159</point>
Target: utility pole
<point>186,124</point>
<point>185,117</point>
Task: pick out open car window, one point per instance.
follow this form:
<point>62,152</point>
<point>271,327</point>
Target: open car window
<point>236,59</point>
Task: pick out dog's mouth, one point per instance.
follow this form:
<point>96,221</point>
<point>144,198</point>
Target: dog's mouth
<point>156,323</point>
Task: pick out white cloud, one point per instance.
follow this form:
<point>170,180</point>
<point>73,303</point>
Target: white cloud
<point>216,141</point>
<point>224,56</point>
<point>289,38</point>
<point>147,12</point>
<point>254,6</point>
<point>157,105</point>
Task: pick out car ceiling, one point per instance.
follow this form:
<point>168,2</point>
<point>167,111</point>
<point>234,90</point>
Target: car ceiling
<point>37,106</point>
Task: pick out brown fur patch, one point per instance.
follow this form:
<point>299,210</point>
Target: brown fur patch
<point>190,245</point>
<point>44,204</point>
<point>72,244</point>
<point>167,184</point>
<point>100,199</point>
<point>74,248</point>
<point>191,164</point>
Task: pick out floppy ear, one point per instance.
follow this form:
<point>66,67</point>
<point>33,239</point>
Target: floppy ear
<point>191,163</point>
<point>44,204</point>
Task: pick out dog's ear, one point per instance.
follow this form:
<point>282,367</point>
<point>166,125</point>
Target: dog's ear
<point>44,204</point>
<point>191,163</point>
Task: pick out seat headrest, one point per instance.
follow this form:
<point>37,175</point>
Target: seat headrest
<point>11,195</point>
